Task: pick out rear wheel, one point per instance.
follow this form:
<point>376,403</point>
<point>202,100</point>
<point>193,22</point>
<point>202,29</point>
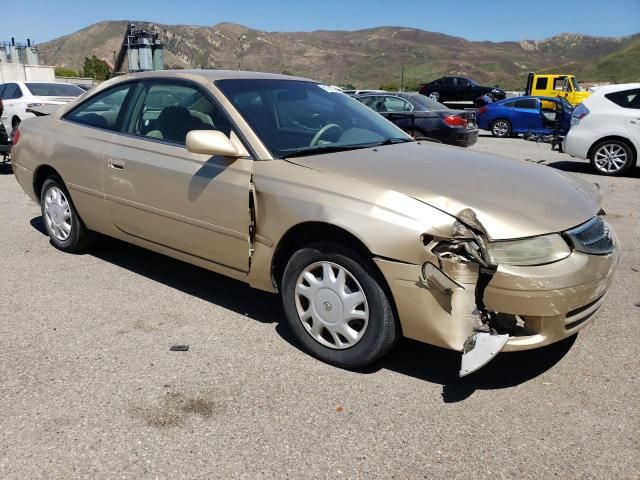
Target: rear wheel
<point>501,128</point>
<point>336,307</point>
<point>612,157</point>
<point>435,96</point>
<point>15,123</point>
<point>65,229</point>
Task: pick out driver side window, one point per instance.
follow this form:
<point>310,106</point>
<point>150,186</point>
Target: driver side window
<point>168,111</point>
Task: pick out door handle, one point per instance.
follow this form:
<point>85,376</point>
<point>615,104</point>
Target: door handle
<point>635,121</point>
<point>116,164</point>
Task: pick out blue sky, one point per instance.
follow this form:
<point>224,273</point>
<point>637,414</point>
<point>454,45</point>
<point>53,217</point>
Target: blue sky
<point>43,20</point>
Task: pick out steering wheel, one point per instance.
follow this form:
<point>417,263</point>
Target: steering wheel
<point>316,138</point>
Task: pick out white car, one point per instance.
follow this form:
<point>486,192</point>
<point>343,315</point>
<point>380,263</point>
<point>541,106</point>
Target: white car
<point>17,97</point>
<point>605,129</point>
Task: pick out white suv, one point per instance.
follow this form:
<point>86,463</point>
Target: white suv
<point>605,128</point>
<point>19,96</point>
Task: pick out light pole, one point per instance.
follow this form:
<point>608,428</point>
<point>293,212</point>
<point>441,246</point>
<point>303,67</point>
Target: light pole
<point>241,39</point>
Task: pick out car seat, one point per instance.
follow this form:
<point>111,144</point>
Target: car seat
<point>175,122</point>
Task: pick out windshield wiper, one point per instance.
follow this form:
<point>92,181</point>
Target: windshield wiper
<point>392,141</point>
<point>319,150</point>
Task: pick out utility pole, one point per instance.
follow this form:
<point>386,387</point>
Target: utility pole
<point>241,38</point>
<point>402,80</point>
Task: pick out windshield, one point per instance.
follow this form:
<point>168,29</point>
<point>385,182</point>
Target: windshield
<point>294,117</point>
<point>54,90</point>
<point>575,84</point>
<point>424,103</point>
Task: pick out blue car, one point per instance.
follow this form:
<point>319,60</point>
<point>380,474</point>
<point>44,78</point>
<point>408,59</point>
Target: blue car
<point>530,116</point>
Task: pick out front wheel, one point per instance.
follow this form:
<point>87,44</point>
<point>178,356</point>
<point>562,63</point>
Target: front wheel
<point>612,157</point>
<point>336,307</point>
<point>65,229</point>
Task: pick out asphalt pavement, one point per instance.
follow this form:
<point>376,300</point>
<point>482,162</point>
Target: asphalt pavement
<point>89,387</point>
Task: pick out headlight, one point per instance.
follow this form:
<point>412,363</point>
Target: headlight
<point>530,251</point>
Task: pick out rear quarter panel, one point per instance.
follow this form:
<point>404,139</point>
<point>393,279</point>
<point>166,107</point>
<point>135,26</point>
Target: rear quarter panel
<point>76,153</point>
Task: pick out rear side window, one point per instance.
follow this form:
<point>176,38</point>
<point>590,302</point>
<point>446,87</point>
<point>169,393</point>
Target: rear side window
<point>54,90</point>
<point>541,83</point>
<point>447,81</point>
<point>530,103</point>
<point>626,99</point>
<point>11,92</point>
<point>103,110</point>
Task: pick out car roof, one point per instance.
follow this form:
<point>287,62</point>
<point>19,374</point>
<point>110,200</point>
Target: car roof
<point>620,87</point>
<point>214,75</point>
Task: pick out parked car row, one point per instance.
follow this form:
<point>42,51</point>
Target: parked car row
<point>295,188</point>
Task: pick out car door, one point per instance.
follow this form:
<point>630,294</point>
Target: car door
<point>448,88</point>
<point>3,116</point>
<point>527,115</point>
<point>158,191</point>
<point>85,134</point>
<point>629,101</point>
<point>464,90</point>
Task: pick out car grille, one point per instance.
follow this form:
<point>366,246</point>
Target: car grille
<point>592,237</point>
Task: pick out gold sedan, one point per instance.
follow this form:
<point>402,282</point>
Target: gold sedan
<point>293,187</point>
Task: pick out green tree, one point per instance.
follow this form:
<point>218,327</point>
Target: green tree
<point>65,72</point>
<point>95,68</point>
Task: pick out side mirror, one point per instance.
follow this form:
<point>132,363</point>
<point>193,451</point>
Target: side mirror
<point>211,142</point>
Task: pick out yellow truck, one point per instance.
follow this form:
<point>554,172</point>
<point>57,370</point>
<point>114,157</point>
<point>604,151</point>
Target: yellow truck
<point>555,85</point>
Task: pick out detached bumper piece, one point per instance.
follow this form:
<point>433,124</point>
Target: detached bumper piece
<point>479,349</point>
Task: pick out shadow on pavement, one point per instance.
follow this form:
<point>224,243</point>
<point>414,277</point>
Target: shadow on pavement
<point>5,168</point>
<point>412,358</point>
<point>585,167</point>
<point>437,365</point>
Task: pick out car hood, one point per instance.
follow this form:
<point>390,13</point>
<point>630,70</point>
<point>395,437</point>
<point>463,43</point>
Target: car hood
<point>511,199</point>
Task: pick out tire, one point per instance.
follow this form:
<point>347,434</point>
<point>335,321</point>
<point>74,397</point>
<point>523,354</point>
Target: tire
<point>612,157</point>
<point>356,341</point>
<point>501,128</point>
<point>60,218</point>
<point>15,123</point>
<point>435,96</point>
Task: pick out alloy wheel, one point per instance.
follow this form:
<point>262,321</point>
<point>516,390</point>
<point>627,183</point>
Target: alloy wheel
<point>332,305</point>
<point>57,213</point>
<point>434,96</point>
<point>610,158</point>
<point>500,128</point>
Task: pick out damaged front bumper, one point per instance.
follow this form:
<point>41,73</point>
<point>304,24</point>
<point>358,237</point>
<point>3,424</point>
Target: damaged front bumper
<point>443,304</point>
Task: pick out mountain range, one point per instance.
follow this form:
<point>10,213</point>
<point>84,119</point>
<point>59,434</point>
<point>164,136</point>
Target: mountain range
<point>364,58</point>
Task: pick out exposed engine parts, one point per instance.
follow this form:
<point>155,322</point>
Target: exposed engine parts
<point>461,276</point>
